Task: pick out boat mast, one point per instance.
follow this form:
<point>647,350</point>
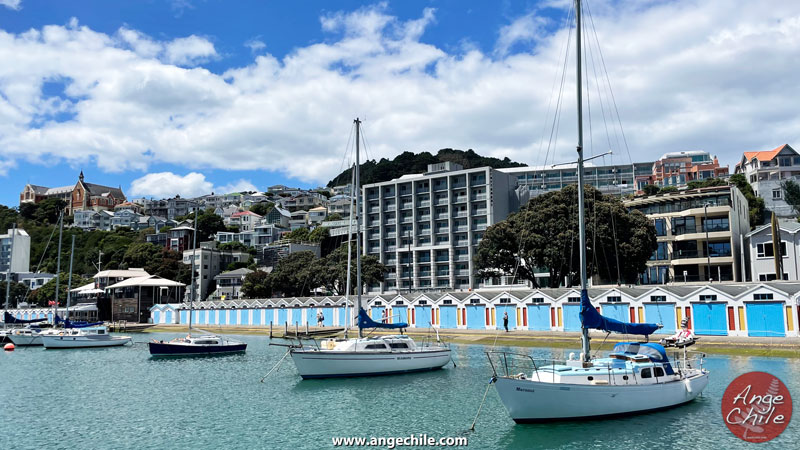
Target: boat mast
<point>349,251</point>
<point>585,349</point>
<point>58,265</point>
<point>69,283</point>
<point>194,260</point>
<point>8,272</point>
<point>357,188</point>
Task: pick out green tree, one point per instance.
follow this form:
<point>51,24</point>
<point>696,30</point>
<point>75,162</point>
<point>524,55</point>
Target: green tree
<point>319,234</point>
<point>667,189</point>
<point>334,216</point>
<point>708,182</point>
<point>262,208</point>
<point>791,193</point>
<point>300,234</point>
<point>233,246</point>
<point>17,293</point>
<point>294,276</point>
<point>331,270</point>
<point>46,293</point>
<point>257,285</point>
<point>650,189</point>
<point>141,254</point>
<point>754,202</point>
<point>208,224</point>
<point>48,210</point>
<point>544,234</point>
<point>169,264</point>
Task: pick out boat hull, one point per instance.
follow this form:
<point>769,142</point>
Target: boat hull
<point>530,401</point>
<point>61,342</point>
<point>336,364</point>
<point>25,340</point>
<point>172,349</point>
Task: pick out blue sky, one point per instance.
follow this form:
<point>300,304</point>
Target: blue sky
<point>188,96</point>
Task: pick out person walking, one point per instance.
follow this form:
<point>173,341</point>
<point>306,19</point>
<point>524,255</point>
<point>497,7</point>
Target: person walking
<point>505,320</point>
<point>320,319</point>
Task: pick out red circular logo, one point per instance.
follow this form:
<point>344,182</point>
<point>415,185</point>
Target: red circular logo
<point>756,407</point>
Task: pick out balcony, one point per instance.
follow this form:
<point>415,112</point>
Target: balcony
<point>461,243</point>
<point>424,274</point>
<point>391,248</point>
<point>424,204</point>
<point>440,216</point>
<point>391,235</point>
<point>390,208</point>
<point>478,197</point>
<point>374,209</point>
<point>440,201</point>
<point>464,273</point>
<point>390,276</point>
<point>462,257</point>
<point>461,228</point>
<point>460,184</point>
<point>479,227</point>
<point>460,199</point>
<point>407,219</point>
<point>443,274</point>
<point>442,259</point>
<point>424,231</point>
<point>407,205</point>
<point>424,218</point>
<point>460,214</point>
<point>479,212</point>
<point>442,230</point>
<point>391,221</point>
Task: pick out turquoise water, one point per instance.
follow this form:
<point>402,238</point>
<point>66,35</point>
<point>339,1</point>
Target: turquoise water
<point>120,398</point>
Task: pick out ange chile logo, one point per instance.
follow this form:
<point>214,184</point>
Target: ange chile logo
<point>756,407</point>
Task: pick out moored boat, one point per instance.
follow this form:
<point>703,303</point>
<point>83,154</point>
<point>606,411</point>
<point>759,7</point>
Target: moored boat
<point>83,338</point>
<point>22,337</point>
<point>196,345</point>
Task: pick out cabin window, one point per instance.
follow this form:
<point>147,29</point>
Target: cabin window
<point>378,303</point>
<point>708,298</point>
<point>399,302</point>
<point>574,300</point>
<point>762,296</point>
<point>659,371</point>
<point>375,347</point>
<point>474,301</point>
<point>658,298</point>
<point>447,302</point>
<point>505,300</point>
<point>537,300</point>
<point>624,377</point>
<point>422,302</point>
<point>590,378</point>
<point>647,373</point>
<point>398,345</point>
<point>613,299</point>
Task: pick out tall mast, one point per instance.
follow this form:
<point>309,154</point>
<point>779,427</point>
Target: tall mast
<point>581,222</point>
<point>357,189</point>
<point>194,260</point>
<point>349,246</point>
<point>58,265</point>
<point>69,283</point>
<point>8,272</point>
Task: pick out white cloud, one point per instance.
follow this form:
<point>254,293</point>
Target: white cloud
<point>686,75</point>
<point>12,4</point>
<point>168,184</point>
<point>240,185</point>
<point>255,45</point>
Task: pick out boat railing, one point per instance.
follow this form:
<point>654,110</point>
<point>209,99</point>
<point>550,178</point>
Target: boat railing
<point>518,365</point>
<point>685,361</point>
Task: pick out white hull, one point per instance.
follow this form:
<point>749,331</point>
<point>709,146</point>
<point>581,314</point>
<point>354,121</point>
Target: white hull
<point>534,401</point>
<point>25,340</point>
<point>329,364</point>
<point>91,341</point>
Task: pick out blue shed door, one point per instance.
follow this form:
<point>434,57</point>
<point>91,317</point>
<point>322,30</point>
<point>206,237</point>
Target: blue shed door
<point>616,311</point>
<point>539,317</point>
<point>341,317</point>
<point>377,313</point>
<point>512,315</point>
<point>283,316</point>
<point>765,319</point>
<point>476,317</point>
<point>710,319</point>
<point>447,317</point>
<point>399,314</point>
<point>156,316</point>
<point>168,314</point>
<point>328,313</point>
<point>661,313</point>
<point>244,317</point>
<point>572,318</point>
<point>223,316</point>
<point>422,316</point>
<point>212,317</point>
<point>257,316</point>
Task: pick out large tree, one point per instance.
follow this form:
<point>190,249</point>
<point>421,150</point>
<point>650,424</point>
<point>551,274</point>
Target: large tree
<point>544,236</point>
<point>331,271</point>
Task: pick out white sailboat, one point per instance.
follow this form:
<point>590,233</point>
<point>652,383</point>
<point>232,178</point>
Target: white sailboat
<point>366,356</point>
<point>636,376</point>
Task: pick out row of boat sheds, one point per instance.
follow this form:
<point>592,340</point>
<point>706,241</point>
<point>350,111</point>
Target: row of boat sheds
<point>764,310</point>
<point>741,309</point>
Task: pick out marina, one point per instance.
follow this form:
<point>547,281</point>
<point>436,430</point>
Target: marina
<point>227,407</point>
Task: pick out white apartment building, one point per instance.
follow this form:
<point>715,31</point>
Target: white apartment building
<point>426,227</point>
<point>761,252</point>
<point>767,171</point>
<point>698,231</point>
<point>20,261</point>
<point>620,179</point>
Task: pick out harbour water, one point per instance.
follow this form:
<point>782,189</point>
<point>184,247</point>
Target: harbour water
<point>121,398</point>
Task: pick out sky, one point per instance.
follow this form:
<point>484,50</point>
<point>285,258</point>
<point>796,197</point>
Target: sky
<point>166,97</point>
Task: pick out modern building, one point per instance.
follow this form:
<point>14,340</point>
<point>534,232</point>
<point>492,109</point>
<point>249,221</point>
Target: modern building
<point>271,254</point>
<point>426,227</point>
<point>317,215</point>
<point>299,220</point>
<point>20,260</point>
<point>679,168</point>
<point>261,236</point>
<point>33,280</point>
<point>698,231</point>
<point>180,238</point>
<point>761,252</point>
<point>245,220</point>
<point>767,171</point>
<point>208,263</point>
<point>619,179</point>
<point>229,284</point>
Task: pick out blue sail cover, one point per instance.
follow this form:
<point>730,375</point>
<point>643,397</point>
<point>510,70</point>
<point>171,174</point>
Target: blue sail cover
<point>364,321</point>
<point>654,351</point>
<point>8,318</point>
<point>590,318</point>
<point>80,324</point>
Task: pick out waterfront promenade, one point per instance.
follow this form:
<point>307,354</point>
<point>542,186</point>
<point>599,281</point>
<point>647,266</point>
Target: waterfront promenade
<point>787,347</point>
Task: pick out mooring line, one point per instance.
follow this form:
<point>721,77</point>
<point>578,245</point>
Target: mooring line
<point>275,366</point>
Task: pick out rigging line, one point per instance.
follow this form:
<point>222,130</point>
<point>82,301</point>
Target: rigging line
<point>591,56</point>
<point>556,117</point>
<point>611,90</point>
<point>366,146</point>
<point>41,259</point>
<point>616,247</point>
<point>588,95</point>
<point>347,150</point>
<point>565,47</point>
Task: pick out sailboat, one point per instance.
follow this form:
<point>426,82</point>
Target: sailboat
<point>634,378</point>
<point>371,355</point>
<point>197,345</point>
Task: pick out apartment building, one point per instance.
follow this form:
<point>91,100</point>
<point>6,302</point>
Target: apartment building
<point>20,260</point>
<point>426,227</point>
<point>620,179</point>
<point>679,168</point>
<point>208,263</point>
<point>700,234</point>
<point>767,171</point>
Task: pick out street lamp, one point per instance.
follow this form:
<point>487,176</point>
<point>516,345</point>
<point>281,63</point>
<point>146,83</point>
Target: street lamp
<point>708,244</point>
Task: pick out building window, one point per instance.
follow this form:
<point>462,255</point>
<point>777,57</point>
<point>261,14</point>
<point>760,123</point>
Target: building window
<point>447,302</point>
<point>717,224</point>
<point>661,227</point>
<point>537,300</point>
<point>765,250</point>
<point>612,299</point>
<point>658,298</point>
<point>762,296</point>
<point>683,225</point>
<point>708,298</point>
<point>474,301</point>
<point>573,300</point>
<point>776,194</point>
<point>505,300</point>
